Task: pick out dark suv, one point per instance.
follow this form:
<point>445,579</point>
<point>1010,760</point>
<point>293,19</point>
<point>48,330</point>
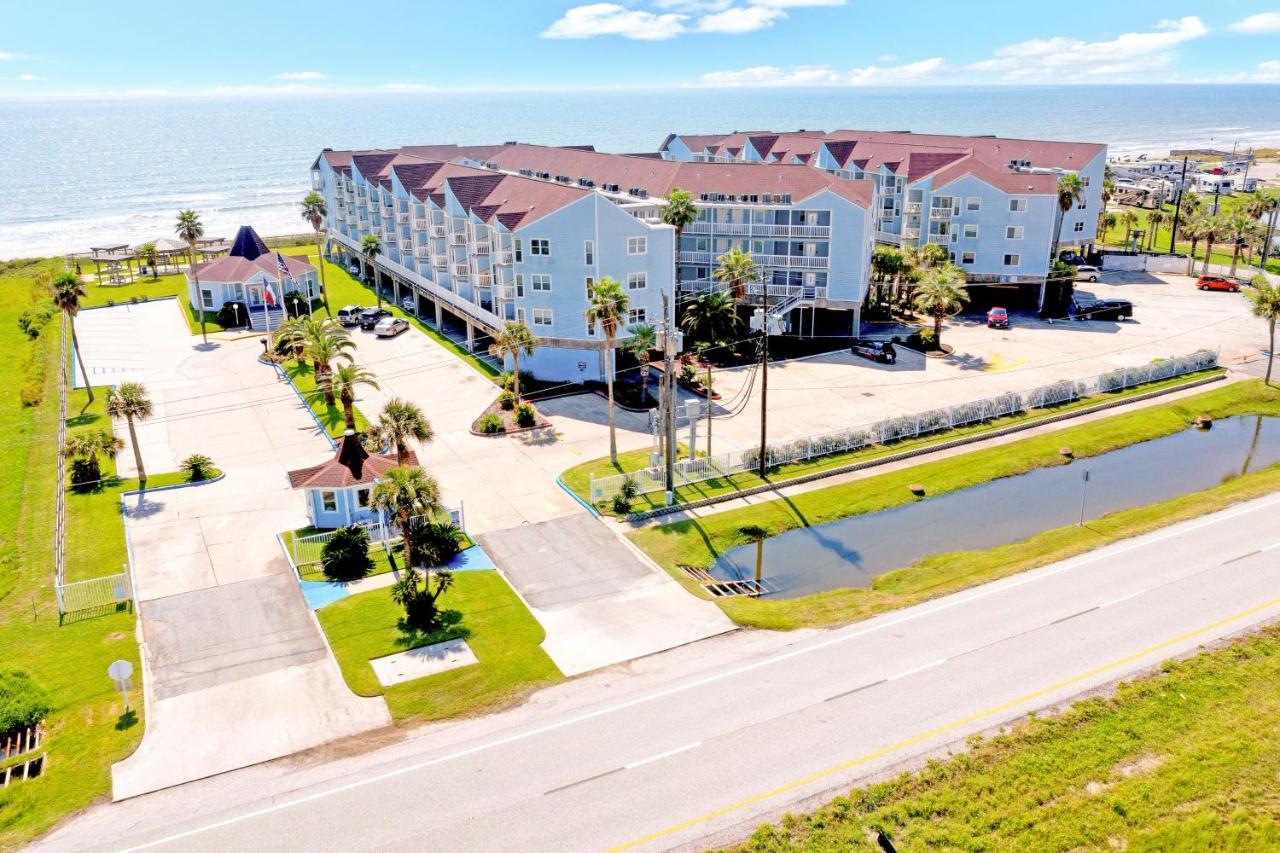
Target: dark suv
<point>881,352</point>
<point>1103,309</point>
<point>369,317</point>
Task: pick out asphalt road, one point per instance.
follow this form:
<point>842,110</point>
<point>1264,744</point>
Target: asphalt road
<point>731,731</point>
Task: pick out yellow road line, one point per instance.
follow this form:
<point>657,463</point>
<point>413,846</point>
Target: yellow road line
<point>923,736</point>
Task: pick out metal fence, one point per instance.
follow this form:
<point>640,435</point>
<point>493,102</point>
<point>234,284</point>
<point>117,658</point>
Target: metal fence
<point>705,468</point>
<point>308,550</point>
<point>106,591</point>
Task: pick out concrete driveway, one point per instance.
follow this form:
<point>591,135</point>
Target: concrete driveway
<point>236,671</point>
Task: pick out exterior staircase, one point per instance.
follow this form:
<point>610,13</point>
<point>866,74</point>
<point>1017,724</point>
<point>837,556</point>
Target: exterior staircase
<point>258,317</point>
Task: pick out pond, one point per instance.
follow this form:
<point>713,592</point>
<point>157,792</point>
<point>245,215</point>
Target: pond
<point>852,551</point>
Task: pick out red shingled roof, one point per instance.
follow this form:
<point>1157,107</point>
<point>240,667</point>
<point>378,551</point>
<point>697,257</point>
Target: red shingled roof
<point>351,466</point>
<point>231,269</point>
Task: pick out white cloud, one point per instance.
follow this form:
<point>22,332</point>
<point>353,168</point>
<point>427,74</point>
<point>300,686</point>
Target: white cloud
<point>697,7</point>
<point>612,19</point>
<point>795,4</point>
<point>1263,72</point>
<point>5,56</point>
<point>825,75</point>
<point>1266,22</point>
<point>406,87</point>
<point>887,57</point>
<point>1063,59</point>
<point>302,75</point>
<point>29,77</point>
<point>740,19</point>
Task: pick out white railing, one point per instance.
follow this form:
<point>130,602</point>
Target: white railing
<point>887,237</point>
<point>903,426</point>
<point>940,238</point>
<point>940,213</point>
<point>696,258</point>
<point>108,591</point>
<point>912,207</point>
<point>438,231</point>
<point>504,257</point>
<point>504,291</point>
<point>309,550</point>
<point>757,229</point>
<point>422,252</point>
<point>803,261</point>
<point>481,248</point>
<point>402,218</point>
<point>910,233</point>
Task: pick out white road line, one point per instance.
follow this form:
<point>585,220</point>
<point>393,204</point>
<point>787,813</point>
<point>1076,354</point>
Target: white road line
<point>917,669</point>
<point>662,755</point>
<point>995,588</point>
<point>1270,547</point>
<point>1123,598</point>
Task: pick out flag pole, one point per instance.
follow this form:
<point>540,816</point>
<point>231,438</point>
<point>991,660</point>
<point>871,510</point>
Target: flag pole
<point>266,282</point>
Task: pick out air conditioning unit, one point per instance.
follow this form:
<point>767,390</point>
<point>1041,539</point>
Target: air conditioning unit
<point>528,173</point>
<point>562,179</point>
<point>546,176</point>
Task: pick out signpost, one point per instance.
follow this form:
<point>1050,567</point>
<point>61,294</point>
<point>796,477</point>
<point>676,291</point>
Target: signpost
<point>1084,493</point>
<point>119,672</point>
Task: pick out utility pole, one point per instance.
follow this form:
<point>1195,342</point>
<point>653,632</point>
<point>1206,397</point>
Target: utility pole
<point>1177,207</point>
<point>708,387</point>
<point>669,413</point>
<point>764,382</point>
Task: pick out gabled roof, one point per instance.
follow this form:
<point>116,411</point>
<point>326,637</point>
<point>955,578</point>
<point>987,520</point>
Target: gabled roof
<point>230,269</point>
<point>351,466</point>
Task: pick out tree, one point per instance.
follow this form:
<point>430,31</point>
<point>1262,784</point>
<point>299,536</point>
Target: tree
<point>1195,229</point>
<point>189,230</point>
<point>315,211</point>
<point>1214,228</point>
<point>736,269</point>
<point>197,467</point>
<point>1128,218</point>
<point>712,318</point>
<point>405,493</point>
<point>67,293</point>
<point>325,342</point>
<point>400,421</point>
<point>678,213</point>
<point>607,308</point>
<point>1106,222</point>
<point>887,263</point>
<point>1237,225</point>
<point>84,448</point>
<point>371,248</point>
<point>641,344</point>
<point>291,337</point>
<point>1155,219</point>
<point>149,254</point>
<point>932,255</point>
<point>514,339</point>
<point>345,380</point>
<point>129,400</point>
<point>345,557</point>
<point>1265,298</point>
<point>1070,191</point>
<point>941,292</point>
<point>757,534</point>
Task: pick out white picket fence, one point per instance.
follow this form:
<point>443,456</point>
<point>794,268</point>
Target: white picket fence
<point>307,550</point>
<point>704,468</point>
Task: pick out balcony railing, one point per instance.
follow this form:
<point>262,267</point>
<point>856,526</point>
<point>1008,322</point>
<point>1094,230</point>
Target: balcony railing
<point>483,280</point>
<point>459,239</point>
<point>422,252</point>
<point>438,231</point>
<point>695,258</point>
<point>912,206</point>
<point>910,233</point>
<point>811,262</point>
<point>887,237</point>
<point>940,213</point>
<point>758,229</point>
<point>461,270</point>
<point>402,218</point>
<point>504,257</point>
<point>940,239</point>
<point>482,247</point>
<point>504,291</point>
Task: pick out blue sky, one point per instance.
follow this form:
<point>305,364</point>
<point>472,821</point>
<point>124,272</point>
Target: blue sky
<point>71,47</point>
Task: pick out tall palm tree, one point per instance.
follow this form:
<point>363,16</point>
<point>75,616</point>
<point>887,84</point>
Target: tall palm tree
<point>641,344</point>
<point>941,292</point>
<point>607,309</point>
<point>400,421</point>
<point>1194,229</point>
<point>189,230</point>
<point>514,339</point>
<point>886,263</point>
<point>1214,228</point>
<point>344,381</point>
<point>712,318</point>
<point>67,293</point>
<point>404,493</point>
<point>1128,218</point>
<point>147,251</point>
<point>1155,219</point>
<point>129,400</point>
<point>678,213</point>
<point>757,534</point>
<point>932,255</point>
<point>371,248</point>
<point>314,211</point>
<point>1265,297</point>
<point>736,269</point>
<point>1070,191</point>
<point>1237,224</point>
<point>325,343</point>
<point>1106,222</point>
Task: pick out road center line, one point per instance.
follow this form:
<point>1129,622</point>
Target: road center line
<point>1074,615</point>
<point>583,781</point>
<point>1242,557</point>
<point>670,752</point>
<point>917,669</point>
<point>855,690</point>
<point>1123,598</point>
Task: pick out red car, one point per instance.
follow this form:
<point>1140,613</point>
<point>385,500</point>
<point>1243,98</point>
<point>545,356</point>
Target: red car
<point>1218,282</point>
<point>998,318</point>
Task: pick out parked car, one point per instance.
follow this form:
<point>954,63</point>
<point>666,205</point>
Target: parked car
<point>349,315</point>
<point>881,352</point>
<point>1069,257</point>
<point>1102,309</point>
<point>998,318</point>
<point>354,268</point>
<point>370,317</point>
<point>1085,272</point>
<point>1218,282</point>
<point>410,304</point>
<point>389,327</point>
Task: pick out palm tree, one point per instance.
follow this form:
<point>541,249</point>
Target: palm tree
<point>514,339</point>
<point>1195,230</point>
<point>1214,228</point>
<point>371,248</point>
<point>87,447</point>
<point>941,293</point>
<point>1070,191</point>
<point>712,318</point>
<point>1237,225</point>
<point>404,493</point>
<point>1106,222</point>
<point>400,421</point>
<point>1128,218</point>
<point>189,230</point>
<point>1108,184</point>
<point>607,308</point>
<point>886,263</point>
<point>149,254</point>
<point>736,269</point>
<point>678,213</point>
<point>344,381</point>
<point>641,344</point>
<point>932,255</point>
<point>1265,297</point>
<point>326,342</point>
<point>129,400</point>
<point>314,211</point>
<point>292,336</point>
<point>67,293</point>
<point>1155,219</point>
<point>757,534</point>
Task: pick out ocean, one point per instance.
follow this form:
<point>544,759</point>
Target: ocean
<point>94,173</point>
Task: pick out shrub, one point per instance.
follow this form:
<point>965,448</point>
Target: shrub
<point>489,423</point>
<point>526,380</point>
<point>507,400</point>
<point>33,320</point>
<point>22,702</point>
<point>688,372</point>
<point>525,416</point>
<point>197,467</point>
<point>630,488</point>
<point>233,315</point>
<point>85,473</point>
<point>436,543</point>
<point>294,305</point>
<point>621,505</point>
<point>922,340</point>
<point>346,555</point>
<point>32,393</point>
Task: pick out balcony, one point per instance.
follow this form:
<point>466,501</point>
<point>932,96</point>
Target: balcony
<point>483,280</point>
<point>461,270</point>
<point>439,261</point>
<point>402,218</point>
<point>911,232</point>
<point>887,237</point>
<point>504,257</point>
<point>481,247</point>
<point>940,213</point>
<point>504,291</point>
<point>695,258</point>
<point>422,252</point>
<point>912,206</point>
<point>459,239</point>
<point>810,262</point>
<point>438,231</point>
<point>940,239</point>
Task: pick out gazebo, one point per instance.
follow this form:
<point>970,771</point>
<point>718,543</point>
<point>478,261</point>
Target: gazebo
<point>338,490</point>
<point>116,262</point>
<point>169,254</point>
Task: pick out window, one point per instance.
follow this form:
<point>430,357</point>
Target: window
<point>1012,260</point>
<point>637,245</point>
<point>543,317</point>
<point>1084,202</point>
<point>1013,232</point>
<point>519,315</point>
<point>635,315</point>
<point>519,247</point>
<point>1017,205</point>
<point>206,297</point>
<point>970,230</point>
<point>540,247</point>
<point>519,285</point>
<point>591,329</point>
<point>589,252</point>
<point>973,202</point>
<point>1084,180</point>
<point>362,498</point>
<point>541,282</point>
<point>637,280</point>
<point>1078,228</point>
<point>967,257</point>
<point>591,285</point>
<point>329,501</point>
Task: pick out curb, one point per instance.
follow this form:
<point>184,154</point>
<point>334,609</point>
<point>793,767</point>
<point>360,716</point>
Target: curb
<point>576,497</point>
<point>919,451</point>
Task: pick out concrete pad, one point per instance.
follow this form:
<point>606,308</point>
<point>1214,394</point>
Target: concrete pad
<point>422,661</point>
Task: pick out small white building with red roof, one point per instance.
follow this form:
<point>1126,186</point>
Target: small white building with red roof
<point>338,491</point>
<point>246,273</point>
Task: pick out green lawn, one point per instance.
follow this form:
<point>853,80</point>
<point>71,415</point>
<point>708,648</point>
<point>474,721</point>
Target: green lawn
<point>499,629</point>
<point>1222,248</point>
<point>578,478</point>
<point>698,542</point>
<point>1184,759</point>
<point>149,288</point>
<point>303,377</point>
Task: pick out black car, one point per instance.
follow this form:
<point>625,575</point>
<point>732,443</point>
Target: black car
<point>881,352</point>
<point>369,317</point>
<point>1102,309</point>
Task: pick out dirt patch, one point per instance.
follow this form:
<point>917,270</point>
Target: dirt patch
<point>1144,763</point>
<point>506,418</point>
